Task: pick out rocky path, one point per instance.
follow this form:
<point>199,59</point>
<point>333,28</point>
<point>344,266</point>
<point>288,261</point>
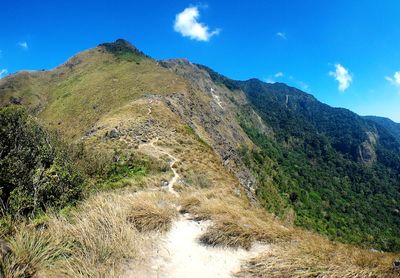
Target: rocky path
<point>152,149</point>
<point>179,253</point>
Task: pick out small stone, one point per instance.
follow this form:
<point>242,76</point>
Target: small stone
<point>15,100</point>
<point>114,133</point>
<point>164,183</point>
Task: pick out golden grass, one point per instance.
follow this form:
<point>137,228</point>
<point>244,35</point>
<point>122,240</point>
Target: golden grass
<point>30,251</point>
<point>73,99</point>
<point>310,255</point>
<point>290,252</point>
<point>100,238</point>
<point>234,222</point>
<point>152,213</point>
<point>106,231</point>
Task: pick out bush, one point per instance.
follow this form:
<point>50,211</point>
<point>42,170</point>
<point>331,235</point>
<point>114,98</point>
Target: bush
<point>35,172</point>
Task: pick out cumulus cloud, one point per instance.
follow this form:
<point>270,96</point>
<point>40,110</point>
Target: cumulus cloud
<point>342,75</point>
<point>281,35</point>
<point>187,24</point>
<point>24,45</point>
<point>395,80</point>
<point>3,72</point>
<point>278,74</point>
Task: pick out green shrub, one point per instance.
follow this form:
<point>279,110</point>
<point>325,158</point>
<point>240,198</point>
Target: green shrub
<point>35,171</point>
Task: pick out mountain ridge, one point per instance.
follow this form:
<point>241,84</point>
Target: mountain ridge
<point>271,137</point>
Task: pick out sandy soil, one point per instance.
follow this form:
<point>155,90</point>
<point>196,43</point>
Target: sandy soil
<point>180,254</point>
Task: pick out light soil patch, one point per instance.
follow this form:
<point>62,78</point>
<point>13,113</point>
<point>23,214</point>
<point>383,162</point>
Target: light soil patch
<point>180,254</point>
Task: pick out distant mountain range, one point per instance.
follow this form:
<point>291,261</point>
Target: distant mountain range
<point>391,126</point>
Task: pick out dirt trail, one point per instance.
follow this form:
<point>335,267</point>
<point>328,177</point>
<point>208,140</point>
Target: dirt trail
<point>179,253</point>
<point>152,149</point>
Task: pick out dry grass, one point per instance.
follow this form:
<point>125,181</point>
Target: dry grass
<point>234,222</point>
<point>314,256</point>
<point>101,237</point>
<point>153,213</point>
<point>30,251</point>
<point>98,239</point>
<point>291,252</point>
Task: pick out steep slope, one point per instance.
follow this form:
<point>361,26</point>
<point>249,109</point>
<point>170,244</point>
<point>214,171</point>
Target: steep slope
<point>103,83</point>
<point>187,149</point>
<point>392,127</point>
<point>343,170</point>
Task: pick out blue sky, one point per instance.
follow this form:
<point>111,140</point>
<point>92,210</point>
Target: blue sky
<point>346,53</point>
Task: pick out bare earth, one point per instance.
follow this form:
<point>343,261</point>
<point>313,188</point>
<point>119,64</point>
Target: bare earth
<point>178,253</point>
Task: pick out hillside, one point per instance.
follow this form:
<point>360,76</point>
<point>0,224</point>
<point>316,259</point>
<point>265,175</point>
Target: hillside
<point>339,171</point>
<point>391,126</point>
<point>169,151</point>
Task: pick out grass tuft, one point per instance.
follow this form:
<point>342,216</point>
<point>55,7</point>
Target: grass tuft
<point>152,213</point>
<point>311,255</point>
<point>101,236</point>
<point>234,222</point>
<point>31,251</point>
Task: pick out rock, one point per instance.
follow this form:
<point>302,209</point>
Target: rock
<point>114,133</point>
<point>15,100</point>
<point>164,183</point>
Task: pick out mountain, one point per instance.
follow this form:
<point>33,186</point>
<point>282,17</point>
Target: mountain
<point>245,159</point>
<point>391,126</point>
<point>338,170</point>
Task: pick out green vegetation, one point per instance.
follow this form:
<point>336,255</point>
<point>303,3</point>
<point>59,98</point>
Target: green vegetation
<point>127,170</point>
<point>124,51</point>
<point>392,127</point>
<point>319,167</point>
<point>338,172</point>
<point>35,171</point>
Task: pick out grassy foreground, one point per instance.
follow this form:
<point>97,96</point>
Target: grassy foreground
<point>112,230</point>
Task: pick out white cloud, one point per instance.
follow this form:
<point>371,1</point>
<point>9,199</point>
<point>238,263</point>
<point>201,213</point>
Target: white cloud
<point>281,35</point>
<point>395,80</point>
<point>186,23</point>
<point>24,45</point>
<point>342,75</point>
<point>272,78</point>
<point>3,72</point>
<point>304,86</point>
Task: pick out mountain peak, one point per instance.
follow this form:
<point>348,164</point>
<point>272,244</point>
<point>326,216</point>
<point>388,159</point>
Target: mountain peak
<point>121,46</point>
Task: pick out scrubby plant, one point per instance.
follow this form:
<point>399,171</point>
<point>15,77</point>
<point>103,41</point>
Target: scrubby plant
<point>35,172</point>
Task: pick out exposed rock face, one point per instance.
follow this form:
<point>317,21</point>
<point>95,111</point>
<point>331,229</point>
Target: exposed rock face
<point>366,151</point>
<point>209,110</point>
